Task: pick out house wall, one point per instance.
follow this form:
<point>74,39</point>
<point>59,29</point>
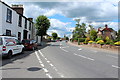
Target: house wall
<point>106,33</point>
<point>13,26</point>
<point>1,19</point>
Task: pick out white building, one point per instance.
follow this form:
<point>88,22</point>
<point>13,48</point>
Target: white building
<point>13,23</point>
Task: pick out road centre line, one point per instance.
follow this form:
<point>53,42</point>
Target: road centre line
<point>115,66</point>
<point>63,49</point>
<point>50,65</point>
<point>80,49</point>
<point>84,57</point>
<point>45,70</point>
<point>49,75</point>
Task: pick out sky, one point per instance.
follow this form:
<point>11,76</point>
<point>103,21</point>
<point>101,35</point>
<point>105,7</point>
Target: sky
<point>62,14</point>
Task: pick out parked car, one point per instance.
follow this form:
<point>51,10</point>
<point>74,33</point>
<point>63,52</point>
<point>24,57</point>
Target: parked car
<point>29,44</point>
<point>10,46</point>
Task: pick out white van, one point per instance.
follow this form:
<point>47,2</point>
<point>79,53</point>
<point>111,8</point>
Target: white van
<point>10,46</point>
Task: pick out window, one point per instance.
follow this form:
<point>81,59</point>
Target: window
<point>19,35</point>
<point>1,42</point>
<point>25,23</point>
<point>17,42</point>
<point>8,32</point>
<point>20,21</point>
<point>9,16</point>
<point>29,25</point>
<point>29,36</point>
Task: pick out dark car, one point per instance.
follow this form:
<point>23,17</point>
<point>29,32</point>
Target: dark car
<point>29,44</point>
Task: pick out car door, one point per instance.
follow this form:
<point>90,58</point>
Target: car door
<point>19,46</point>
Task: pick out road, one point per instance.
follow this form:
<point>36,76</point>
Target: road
<point>62,60</point>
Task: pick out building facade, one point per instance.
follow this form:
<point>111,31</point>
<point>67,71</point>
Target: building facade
<point>13,23</point>
<point>107,32</point>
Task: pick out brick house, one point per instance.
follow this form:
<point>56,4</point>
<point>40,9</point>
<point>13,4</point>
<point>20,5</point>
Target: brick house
<point>104,32</point>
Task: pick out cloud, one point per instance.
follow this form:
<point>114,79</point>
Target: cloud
<point>59,27</point>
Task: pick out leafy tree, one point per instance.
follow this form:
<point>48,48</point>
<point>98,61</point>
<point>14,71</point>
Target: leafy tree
<point>42,25</point>
<point>54,35</point>
<point>93,34</point>
<point>66,38</point>
<point>79,31</point>
<point>58,38</point>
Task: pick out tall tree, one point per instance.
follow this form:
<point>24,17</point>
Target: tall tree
<point>42,25</point>
<point>54,35</point>
<point>93,34</point>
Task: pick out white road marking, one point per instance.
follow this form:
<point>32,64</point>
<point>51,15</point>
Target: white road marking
<point>49,75</point>
<point>84,57</point>
<point>63,49</point>
<point>41,53</point>
<point>45,58</point>
<point>51,65</point>
<point>60,74</point>
<point>112,56</point>
<point>80,49</point>
<point>42,65</point>
<point>116,66</point>
<point>45,70</point>
<point>48,61</point>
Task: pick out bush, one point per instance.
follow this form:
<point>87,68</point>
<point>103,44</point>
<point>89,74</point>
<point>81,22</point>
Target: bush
<point>100,42</point>
<point>115,40</point>
<point>90,42</point>
<point>81,39</point>
<point>109,42</point>
<point>85,42</point>
<point>97,39</point>
<point>75,39</point>
<point>117,43</point>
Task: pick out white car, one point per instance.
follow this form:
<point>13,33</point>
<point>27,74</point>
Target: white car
<point>10,46</point>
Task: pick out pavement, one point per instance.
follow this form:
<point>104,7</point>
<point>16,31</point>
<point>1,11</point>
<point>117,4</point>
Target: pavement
<point>62,60</point>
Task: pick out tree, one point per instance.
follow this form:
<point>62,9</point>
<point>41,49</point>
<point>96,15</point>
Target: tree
<point>79,31</point>
<point>93,34</point>
<point>54,35</point>
<point>42,25</point>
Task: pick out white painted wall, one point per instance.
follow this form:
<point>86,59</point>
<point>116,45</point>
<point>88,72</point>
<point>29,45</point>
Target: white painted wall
<point>14,25</point>
<point>0,18</point>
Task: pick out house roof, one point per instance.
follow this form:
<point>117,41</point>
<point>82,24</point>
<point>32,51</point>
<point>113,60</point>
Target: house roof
<point>16,11</point>
<point>108,29</point>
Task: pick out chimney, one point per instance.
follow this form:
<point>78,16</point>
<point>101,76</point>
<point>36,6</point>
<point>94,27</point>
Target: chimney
<point>18,8</point>
<point>106,26</point>
<point>30,19</point>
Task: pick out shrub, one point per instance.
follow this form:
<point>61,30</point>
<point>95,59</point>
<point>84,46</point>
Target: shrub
<point>115,40</point>
<point>97,39</point>
<point>109,42</point>
<point>81,39</point>
<point>85,42</point>
<point>117,43</point>
<point>100,42</point>
<point>90,42</point>
<point>75,39</point>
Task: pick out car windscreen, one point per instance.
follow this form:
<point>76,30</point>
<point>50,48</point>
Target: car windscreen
<point>25,41</point>
<point>1,41</point>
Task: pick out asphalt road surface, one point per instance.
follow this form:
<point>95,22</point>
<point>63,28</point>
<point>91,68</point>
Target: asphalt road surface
<point>62,60</point>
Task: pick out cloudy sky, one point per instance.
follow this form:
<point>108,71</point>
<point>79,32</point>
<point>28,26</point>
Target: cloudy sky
<point>62,14</point>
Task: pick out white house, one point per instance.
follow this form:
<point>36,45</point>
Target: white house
<point>13,23</point>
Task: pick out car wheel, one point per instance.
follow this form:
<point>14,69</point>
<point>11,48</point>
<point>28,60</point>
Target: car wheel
<point>9,56</point>
<point>23,50</point>
<point>33,48</point>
